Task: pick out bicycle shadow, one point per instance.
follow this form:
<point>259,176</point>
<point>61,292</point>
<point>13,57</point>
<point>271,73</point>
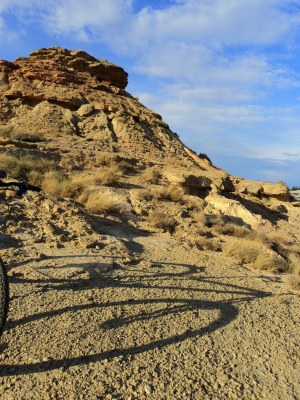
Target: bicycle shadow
<point>103,275</point>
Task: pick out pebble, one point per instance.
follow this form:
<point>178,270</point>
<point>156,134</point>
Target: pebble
<point>148,389</point>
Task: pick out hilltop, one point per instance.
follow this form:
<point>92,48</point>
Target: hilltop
<point>141,262</point>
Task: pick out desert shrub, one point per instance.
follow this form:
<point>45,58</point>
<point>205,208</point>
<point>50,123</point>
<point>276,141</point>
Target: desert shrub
<point>169,193</point>
<point>270,262</point>
<point>126,165</point>
<point>27,137</point>
<point>100,203</point>
<point>105,159</point>
<point>162,221</point>
<point>19,167</point>
<point>74,187</point>
<point>243,250</point>
<point>195,204</point>
<point>5,131</point>
<point>8,132</point>
<point>260,257</point>
<point>294,268</point>
<point>204,243</point>
<point>109,176</point>
<point>145,195</point>
<point>231,229</point>
<point>151,175</point>
<point>53,182</point>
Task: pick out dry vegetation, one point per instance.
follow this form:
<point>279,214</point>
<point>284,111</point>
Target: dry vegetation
<point>151,175</point>
<point>9,133</point>
<point>294,267</point>
<point>100,203</point>
<point>162,221</point>
<point>108,176</point>
<point>255,253</point>
<point>20,167</point>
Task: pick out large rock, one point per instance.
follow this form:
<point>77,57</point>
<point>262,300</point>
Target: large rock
<point>277,191</point>
<point>235,209</point>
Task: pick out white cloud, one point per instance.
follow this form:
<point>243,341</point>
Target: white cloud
<point>69,16</point>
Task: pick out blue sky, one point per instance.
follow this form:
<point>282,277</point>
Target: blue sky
<point>225,74</point>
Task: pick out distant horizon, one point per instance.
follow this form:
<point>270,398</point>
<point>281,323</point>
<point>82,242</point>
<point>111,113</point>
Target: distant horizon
<point>223,74</point>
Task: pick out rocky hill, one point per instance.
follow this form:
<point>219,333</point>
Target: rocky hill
<point>129,216</point>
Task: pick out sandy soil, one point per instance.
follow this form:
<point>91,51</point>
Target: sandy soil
<point>165,323</point>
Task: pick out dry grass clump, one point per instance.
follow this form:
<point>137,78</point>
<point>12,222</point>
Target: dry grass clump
<point>294,267</point>
<point>109,176</point>
<point>145,195</point>
<point>243,250</point>
<point>170,193</point>
<point>270,262</point>
<point>105,159</point>
<point>151,175</point>
<point>254,253</point>
<point>110,160</point>
<point>19,167</point>
<point>28,137</point>
<point>162,221</point>
<point>100,203</point>
<point>196,204</point>
<point>231,229</point>
<point>205,243</point>
<point>5,131</point>
<point>8,132</point>
<point>74,187</point>
<point>53,182</point>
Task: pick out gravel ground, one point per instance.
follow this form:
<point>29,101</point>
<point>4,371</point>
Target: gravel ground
<point>168,323</point>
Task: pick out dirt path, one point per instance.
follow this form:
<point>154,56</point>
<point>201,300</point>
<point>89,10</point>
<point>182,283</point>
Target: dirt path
<point>167,323</point>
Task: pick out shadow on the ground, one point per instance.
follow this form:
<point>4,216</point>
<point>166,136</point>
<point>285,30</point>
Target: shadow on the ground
<point>120,229</point>
<point>186,279</point>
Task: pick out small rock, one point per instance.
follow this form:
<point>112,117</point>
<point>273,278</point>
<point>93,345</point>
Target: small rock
<point>42,256</point>
<point>148,389</point>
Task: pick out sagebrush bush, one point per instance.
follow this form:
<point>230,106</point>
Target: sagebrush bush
<point>145,195</point>
<point>231,229</point>
<point>162,221</point>
<point>270,262</point>
<point>99,203</point>
<point>19,167</point>
<point>105,159</point>
<point>204,242</point>
<point>8,132</point>
<point>151,175</point>
<point>294,268</point>
<point>169,193</point>
<point>108,176</point>
<point>243,250</point>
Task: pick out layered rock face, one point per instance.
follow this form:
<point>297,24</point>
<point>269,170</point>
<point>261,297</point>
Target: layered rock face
<point>79,105</point>
<point>62,92</point>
